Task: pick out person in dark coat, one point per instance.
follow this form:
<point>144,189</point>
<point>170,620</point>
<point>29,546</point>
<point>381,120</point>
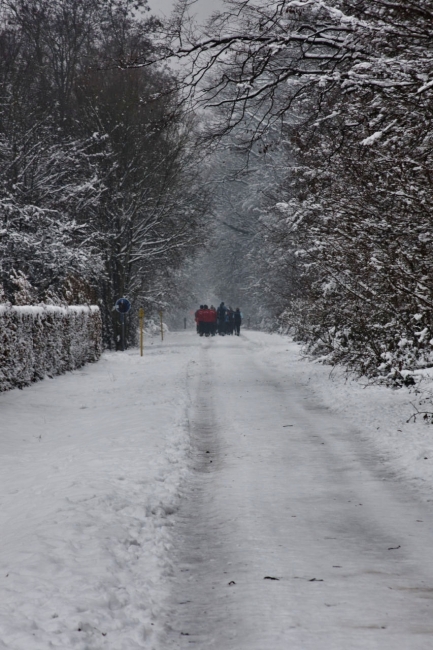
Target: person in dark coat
<point>221,314</point>
<point>230,321</point>
<point>237,321</point>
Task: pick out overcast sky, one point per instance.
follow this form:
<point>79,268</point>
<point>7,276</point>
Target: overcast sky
<point>203,8</point>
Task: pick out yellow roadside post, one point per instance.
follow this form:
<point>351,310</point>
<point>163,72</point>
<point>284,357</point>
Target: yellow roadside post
<point>162,328</point>
<point>141,317</point>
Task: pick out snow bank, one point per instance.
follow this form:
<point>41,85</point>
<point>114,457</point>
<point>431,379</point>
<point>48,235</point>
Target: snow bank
<point>42,340</point>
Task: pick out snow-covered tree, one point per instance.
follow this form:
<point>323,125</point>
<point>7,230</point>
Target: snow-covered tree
<point>356,215</point>
<point>344,88</point>
<point>100,193</point>
<point>151,215</point>
<point>49,196</point>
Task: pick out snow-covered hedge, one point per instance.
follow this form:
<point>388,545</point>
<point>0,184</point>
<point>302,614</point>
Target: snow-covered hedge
<point>46,340</point>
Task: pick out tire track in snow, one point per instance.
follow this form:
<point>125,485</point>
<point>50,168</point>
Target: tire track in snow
<point>305,504</point>
<point>196,525</point>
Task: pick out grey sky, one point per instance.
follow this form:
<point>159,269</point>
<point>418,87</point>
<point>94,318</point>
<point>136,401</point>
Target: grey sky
<point>203,8</point>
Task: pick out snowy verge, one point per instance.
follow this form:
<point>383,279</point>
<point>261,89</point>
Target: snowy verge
<point>379,413</point>
<point>90,468</point>
<point>42,340</point>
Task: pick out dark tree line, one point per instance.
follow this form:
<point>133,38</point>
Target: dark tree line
<point>99,185</point>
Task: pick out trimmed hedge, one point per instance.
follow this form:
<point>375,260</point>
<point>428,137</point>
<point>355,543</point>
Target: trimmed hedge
<point>46,340</point>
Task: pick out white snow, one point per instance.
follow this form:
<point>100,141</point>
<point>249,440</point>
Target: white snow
<point>52,309</point>
<point>379,413</point>
<point>372,138</point>
<point>90,465</point>
<point>94,466</point>
<point>424,87</point>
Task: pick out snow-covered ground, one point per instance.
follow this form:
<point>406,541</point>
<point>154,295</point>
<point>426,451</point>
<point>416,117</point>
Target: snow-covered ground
<point>120,531</point>
<point>379,413</point>
<point>90,464</point>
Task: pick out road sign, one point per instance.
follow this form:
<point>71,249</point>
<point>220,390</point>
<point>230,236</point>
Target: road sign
<point>123,305</point>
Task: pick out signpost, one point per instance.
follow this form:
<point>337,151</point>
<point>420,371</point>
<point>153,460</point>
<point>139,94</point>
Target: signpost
<point>162,327</point>
<point>141,317</point>
<point>122,306</point>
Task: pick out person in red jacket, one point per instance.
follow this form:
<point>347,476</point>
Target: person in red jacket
<point>207,320</point>
<point>199,320</point>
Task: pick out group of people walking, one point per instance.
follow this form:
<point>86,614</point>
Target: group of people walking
<point>224,320</point>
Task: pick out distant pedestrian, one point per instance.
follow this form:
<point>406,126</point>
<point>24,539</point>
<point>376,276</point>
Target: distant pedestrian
<point>208,317</point>
<point>237,321</point>
<point>199,320</point>
<point>221,316</point>
<point>213,327</point>
<point>226,322</point>
<point>230,321</point>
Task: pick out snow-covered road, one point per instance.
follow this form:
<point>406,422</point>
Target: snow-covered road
<point>205,496</point>
<point>291,533</point>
